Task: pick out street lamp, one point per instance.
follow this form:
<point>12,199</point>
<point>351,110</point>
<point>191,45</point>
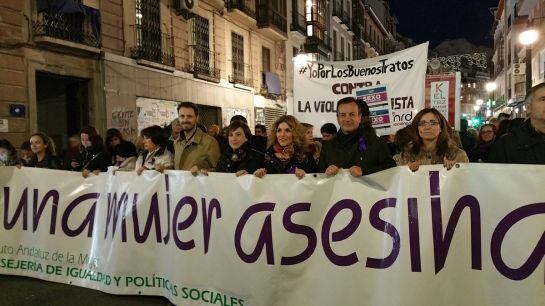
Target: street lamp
<point>527,38</point>
<point>490,86</point>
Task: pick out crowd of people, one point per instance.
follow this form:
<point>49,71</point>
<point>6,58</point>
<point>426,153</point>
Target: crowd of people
<point>290,147</point>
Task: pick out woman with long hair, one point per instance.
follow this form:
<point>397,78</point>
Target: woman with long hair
<point>485,141</point>
<point>432,142</point>
<point>93,156</point>
<point>43,152</point>
<point>239,157</point>
<point>286,151</point>
<point>113,138</point>
<point>155,155</point>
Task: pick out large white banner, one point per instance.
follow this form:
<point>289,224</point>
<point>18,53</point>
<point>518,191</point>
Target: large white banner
<point>393,86</point>
<point>474,235</point>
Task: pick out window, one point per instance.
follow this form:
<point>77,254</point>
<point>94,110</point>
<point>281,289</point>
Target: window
<point>150,43</point>
<point>203,59</point>
<point>342,47</point>
<point>334,42</point>
<point>348,51</point>
<point>265,59</point>
<point>237,47</point>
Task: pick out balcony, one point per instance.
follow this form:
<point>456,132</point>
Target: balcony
<point>203,63</point>
<point>346,22</point>
<point>76,30</point>
<point>271,22</point>
<point>298,23</point>
<point>318,44</point>
<point>242,75</point>
<point>245,6</point>
<point>152,45</point>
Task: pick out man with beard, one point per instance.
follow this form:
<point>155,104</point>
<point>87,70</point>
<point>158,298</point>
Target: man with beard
<point>194,150</point>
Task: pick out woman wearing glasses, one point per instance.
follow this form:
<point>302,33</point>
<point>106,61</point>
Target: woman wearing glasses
<point>433,144</point>
<point>487,136</point>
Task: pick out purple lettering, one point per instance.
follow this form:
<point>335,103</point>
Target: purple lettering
<point>153,217</point>
<point>414,235</point>
<point>207,213</point>
<point>265,237</point>
<point>88,221</point>
<point>304,230</point>
<point>343,234</point>
<point>499,234</point>
<point>38,211</point>
<point>388,228</point>
<point>21,208</point>
<point>184,245</point>
<point>114,209</point>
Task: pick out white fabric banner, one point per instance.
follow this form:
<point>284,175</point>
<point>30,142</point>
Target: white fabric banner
<point>474,235</point>
<point>398,77</point>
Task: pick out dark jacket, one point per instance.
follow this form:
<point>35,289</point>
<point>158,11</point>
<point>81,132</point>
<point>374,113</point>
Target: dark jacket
<point>49,162</point>
<point>361,148</point>
<point>244,158</point>
<point>275,166</point>
<point>481,152</point>
<point>523,146</point>
<point>92,159</point>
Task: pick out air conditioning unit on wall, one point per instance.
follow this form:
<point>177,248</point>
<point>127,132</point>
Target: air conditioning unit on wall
<point>186,5</point>
<point>519,69</point>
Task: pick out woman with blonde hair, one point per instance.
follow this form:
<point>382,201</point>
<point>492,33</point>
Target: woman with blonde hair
<point>432,143</point>
<point>286,151</point>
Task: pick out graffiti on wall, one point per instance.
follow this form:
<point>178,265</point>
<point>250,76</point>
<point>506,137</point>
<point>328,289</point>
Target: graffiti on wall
<point>123,120</point>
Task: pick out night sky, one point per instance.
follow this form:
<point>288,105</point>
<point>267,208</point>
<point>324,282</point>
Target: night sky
<point>439,20</point>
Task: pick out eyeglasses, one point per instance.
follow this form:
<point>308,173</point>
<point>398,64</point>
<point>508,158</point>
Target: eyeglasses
<point>428,123</point>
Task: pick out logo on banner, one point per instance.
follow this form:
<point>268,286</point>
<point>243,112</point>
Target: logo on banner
<point>379,106</point>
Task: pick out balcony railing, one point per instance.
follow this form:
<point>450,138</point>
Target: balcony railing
<point>242,74</point>
<point>298,23</point>
<point>78,27</point>
<point>203,63</point>
<point>245,6</point>
<point>318,43</point>
<point>153,45</point>
<point>267,16</point>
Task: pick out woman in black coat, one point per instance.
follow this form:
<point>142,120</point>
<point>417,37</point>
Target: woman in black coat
<point>239,157</point>
<point>93,157</point>
<point>43,152</point>
<point>287,152</point>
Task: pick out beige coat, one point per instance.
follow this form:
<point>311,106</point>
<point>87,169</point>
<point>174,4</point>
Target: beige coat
<point>202,150</point>
<point>423,158</point>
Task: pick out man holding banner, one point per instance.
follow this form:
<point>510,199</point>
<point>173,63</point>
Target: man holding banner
<point>355,147</point>
<point>526,144</point>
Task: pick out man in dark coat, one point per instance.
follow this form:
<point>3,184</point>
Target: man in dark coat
<point>355,147</point>
<point>526,143</point>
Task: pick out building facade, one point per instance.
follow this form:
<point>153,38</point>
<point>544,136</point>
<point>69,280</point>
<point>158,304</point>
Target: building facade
<point>508,56</point>
<point>101,62</point>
